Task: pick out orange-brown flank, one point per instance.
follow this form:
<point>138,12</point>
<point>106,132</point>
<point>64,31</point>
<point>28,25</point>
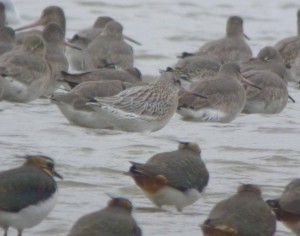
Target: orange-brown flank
<point>150,184</point>
<point>286,216</point>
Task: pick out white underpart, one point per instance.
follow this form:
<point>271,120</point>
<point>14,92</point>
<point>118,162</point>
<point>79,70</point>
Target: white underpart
<point>16,91</point>
<point>205,115</point>
<point>131,122</point>
<point>11,86</point>
<point>89,119</point>
<point>173,197</point>
<point>29,216</point>
<point>271,107</point>
<point>295,227</point>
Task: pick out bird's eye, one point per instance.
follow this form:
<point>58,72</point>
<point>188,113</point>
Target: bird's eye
<point>178,82</point>
<point>50,165</point>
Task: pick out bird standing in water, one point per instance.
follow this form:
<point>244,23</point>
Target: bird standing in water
<point>27,193</point>
<point>141,108</point>
<point>172,178</point>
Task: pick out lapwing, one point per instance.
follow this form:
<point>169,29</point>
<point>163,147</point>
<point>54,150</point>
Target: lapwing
<point>172,178</point>
<point>113,220</point>
<point>27,193</point>
<point>287,207</point>
<point>243,214</point>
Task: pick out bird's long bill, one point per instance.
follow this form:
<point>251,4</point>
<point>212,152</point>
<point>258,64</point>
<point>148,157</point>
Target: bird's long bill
<point>31,25</point>
<point>67,43</point>
<point>292,99</point>
<point>185,90</point>
<point>57,175</point>
<point>132,40</point>
<point>246,37</point>
<point>248,82</point>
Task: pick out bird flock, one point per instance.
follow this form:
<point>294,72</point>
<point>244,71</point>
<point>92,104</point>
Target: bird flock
<point>93,81</point>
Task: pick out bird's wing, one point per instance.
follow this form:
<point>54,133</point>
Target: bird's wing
<point>195,103</point>
<point>138,100</point>
<point>24,68</point>
<point>182,169</point>
<point>22,187</point>
<point>288,48</point>
<point>244,214</point>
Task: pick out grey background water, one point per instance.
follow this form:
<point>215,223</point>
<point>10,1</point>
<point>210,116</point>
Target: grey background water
<point>260,149</point>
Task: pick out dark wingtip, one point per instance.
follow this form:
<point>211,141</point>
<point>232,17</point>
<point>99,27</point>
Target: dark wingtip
<point>52,98</point>
<point>185,54</point>
<point>169,69</point>
<point>273,203</point>
<point>63,72</point>
<point>182,142</point>
<point>206,224</point>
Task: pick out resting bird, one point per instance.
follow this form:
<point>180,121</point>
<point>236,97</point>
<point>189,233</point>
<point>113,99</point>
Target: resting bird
<point>287,207</point>
<point>172,178</point>
<point>114,220</point>
<point>243,214</point>
<point>27,193</point>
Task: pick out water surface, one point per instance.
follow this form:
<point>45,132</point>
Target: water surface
<point>260,149</point>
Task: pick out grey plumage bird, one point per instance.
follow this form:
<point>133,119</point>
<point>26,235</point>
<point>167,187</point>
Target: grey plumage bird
<point>114,220</point>
<point>271,98</point>
<point>28,193</point>
<point>84,37</point>
<point>231,48</point>
<point>73,104</point>
<point>141,108</point>
<point>268,59</point>
<point>225,97</point>
<point>196,68</point>
<point>287,207</point>
<point>245,213</point>
<point>108,48</point>
<point>289,47</point>
<point>172,178</point>
<point>130,75</point>
<point>25,74</point>
<point>53,36</point>
<point>51,14</point>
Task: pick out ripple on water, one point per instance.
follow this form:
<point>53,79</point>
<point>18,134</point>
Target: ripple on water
<point>75,184</point>
<point>261,149</point>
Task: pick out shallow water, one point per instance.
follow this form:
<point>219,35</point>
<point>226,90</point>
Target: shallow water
<point>260,149</point>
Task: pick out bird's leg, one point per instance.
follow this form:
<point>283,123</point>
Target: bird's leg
<point>19,232</point>
<point>5,231</point>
